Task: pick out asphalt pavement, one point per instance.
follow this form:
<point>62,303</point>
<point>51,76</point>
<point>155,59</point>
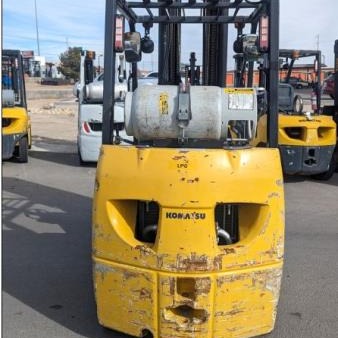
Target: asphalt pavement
<point>46,253</point>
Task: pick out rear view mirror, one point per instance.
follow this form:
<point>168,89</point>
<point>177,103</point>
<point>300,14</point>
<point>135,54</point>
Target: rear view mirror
<point>132,46</point>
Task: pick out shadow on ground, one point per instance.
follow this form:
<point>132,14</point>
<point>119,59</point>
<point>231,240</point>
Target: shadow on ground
<point>46,255</point>
<point>70,159</point>
<point>298,178</point>
<point>48,143</point>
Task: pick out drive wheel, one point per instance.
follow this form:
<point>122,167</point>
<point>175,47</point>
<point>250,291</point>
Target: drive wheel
<point>30,138</point>
<point>327,174</point>
<point>23,150</point>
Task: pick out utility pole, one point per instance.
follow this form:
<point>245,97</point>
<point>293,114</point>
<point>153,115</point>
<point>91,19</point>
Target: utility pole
<point>37,27</point>
<point>317,39</point>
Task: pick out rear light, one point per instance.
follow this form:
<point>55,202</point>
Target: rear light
<point>90,55</point>
<point>86,127</point>
<point>264,33</point>
<point>90,127</point>
<point>119,23</point>
<point>295,54</point>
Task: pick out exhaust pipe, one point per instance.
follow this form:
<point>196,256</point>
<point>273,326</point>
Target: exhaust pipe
<point>149,232</point>
<point>224,236</point>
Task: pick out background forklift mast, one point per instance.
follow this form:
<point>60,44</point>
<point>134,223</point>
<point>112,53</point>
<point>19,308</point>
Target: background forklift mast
<point>293,55</point>
<point>178,249</point>
<point>16,128</point>
<point>12,77</point>
<point>336,74</point>
<point>332,110</point>
<point>87,69</point>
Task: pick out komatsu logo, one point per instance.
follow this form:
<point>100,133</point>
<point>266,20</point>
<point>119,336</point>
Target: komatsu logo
<point>185,215</point>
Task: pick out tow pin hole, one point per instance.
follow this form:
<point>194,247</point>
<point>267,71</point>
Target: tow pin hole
<point>146,334</point>
<point>312,152</point>
<point>310,161</point>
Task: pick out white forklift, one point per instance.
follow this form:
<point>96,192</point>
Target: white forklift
<point>89,137</point>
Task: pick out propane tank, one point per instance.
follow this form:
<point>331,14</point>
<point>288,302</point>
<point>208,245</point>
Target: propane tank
<point>94,91</point>
<point>8,98</point>
<point>163,112</point>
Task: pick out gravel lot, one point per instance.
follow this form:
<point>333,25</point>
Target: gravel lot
<point>54,120</point>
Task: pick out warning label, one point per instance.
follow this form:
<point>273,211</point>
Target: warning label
<point>163,104</point>
<point>239,90</point>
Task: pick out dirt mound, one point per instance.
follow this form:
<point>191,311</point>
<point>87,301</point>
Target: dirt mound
<point>51,100</point>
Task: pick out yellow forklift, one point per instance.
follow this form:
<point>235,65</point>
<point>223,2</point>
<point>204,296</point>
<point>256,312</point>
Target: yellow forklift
<point>188,221</point>
<point>16,126</point>
<point>306,138</point>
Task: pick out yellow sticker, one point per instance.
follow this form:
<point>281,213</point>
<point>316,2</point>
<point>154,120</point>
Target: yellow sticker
<point>163,104</point>
<point>238,90</point>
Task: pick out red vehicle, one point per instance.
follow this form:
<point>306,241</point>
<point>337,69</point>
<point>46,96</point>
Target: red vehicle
<point>328,86</point>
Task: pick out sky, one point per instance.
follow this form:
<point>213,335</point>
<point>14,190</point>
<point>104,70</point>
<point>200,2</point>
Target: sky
<point>304,24</point>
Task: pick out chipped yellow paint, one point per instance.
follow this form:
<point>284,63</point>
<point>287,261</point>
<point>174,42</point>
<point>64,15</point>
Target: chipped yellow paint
<point>185,284</point>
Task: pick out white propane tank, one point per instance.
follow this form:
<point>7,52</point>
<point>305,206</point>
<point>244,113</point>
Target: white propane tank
<point>151,113</point>
<point>94,91</point>
<point>119,112</point>
<point>8,97</point>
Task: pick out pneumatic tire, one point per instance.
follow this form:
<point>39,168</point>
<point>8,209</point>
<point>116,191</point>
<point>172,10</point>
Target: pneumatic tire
<point>327,174</point>
<point>23,150</point>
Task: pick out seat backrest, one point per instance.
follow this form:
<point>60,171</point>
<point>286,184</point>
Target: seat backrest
<point>285,97</point>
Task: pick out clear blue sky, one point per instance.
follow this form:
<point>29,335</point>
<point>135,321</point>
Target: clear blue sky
<point>64,23</point>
